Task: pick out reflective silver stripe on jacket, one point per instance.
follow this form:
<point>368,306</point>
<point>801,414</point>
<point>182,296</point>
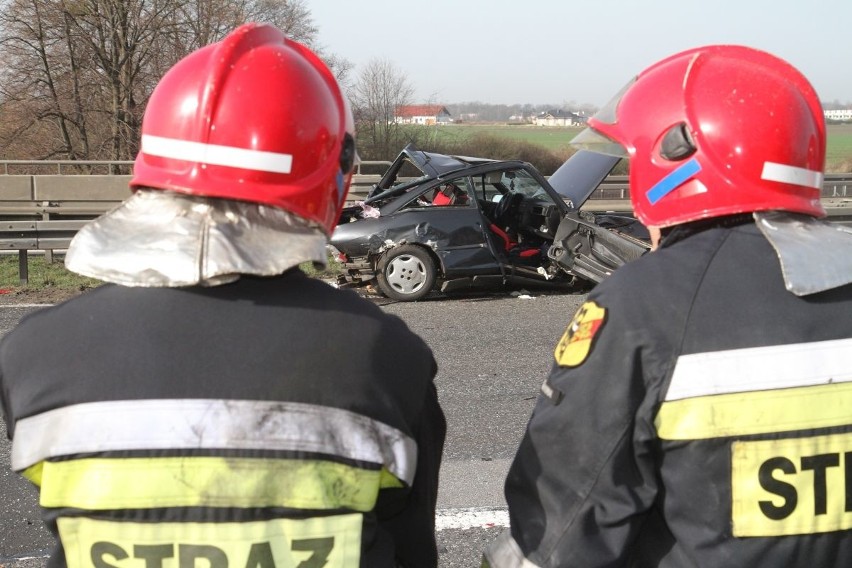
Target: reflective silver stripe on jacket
<point>211,424</point>
<point>761,368</point>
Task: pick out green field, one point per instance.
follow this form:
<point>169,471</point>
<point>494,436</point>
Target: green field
<point>553,138</point>
<point>556,139</point>
<point>839,151</point>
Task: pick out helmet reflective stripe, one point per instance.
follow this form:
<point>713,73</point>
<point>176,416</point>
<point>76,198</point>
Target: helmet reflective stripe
<point>180,424</point>
<point>216,155</point>
<point>673,180</point>
<point>791,174</point>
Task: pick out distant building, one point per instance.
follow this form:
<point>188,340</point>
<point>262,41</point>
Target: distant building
<point>422,114</point>
<point>559,118</point>
<point>841,114</point>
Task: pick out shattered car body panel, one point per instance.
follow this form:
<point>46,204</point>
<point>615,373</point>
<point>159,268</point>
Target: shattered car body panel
<point>453,234</point>
<point>457,222</point>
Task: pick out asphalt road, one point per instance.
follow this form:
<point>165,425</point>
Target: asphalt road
<point>493,352</point>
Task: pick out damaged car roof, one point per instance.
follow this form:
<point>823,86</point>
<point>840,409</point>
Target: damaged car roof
<point>430,165</point>
<point>449,222</point>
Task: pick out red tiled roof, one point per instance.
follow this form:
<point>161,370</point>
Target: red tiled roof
<point>420,110</point>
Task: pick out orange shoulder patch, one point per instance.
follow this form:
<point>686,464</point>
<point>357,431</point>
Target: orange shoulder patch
<point>576,343</point>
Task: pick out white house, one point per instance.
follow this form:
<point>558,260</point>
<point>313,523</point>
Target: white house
<point>559,118</point>
<point>841,114</point>
<point>422,114</point>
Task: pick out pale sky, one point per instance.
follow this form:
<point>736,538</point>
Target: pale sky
<point>558,51</point>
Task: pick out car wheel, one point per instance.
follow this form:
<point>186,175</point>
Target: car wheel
<point>406,273</point>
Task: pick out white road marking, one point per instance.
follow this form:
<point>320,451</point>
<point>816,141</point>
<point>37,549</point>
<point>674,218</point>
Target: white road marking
<point>473,518</point>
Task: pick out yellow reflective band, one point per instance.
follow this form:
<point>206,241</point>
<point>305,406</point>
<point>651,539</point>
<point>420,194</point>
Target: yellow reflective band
<point>757,412</point>
<point>792,486</point>
<point>390,481</point>
<point>33,474</point>
<point>143,483</point>
<point>332,542</point>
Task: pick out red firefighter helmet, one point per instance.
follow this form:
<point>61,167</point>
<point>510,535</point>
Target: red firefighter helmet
<point>255,117</point>
<point>715,131</point>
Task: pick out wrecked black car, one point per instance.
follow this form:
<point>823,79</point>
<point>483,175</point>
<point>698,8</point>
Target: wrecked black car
<point>454,223</point>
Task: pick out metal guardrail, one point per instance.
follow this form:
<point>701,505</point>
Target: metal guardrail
<point>50,235</point>
<point>24,236</point>
<point>614,187</point>
<point>35,167</point>
<point>109,167</point>
<point>28,224</point>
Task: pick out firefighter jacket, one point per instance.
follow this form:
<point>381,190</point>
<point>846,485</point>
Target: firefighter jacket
<point>268,423</point>
<point>697,414</point>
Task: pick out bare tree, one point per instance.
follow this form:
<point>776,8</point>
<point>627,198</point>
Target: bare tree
<point>201,22</point>
<point>294,19</point>
<point>290,16</point>
<point>121,38</point>
<point>340,66</point>
<point>33,89</point>
<point>81,68</point>
<point>377,93</point>
<point>77,74</point>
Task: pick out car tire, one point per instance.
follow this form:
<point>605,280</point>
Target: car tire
<point>406,273</point>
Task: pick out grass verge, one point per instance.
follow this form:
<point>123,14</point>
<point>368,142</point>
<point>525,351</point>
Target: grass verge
<point>42,275</point>
<point>46,277</point>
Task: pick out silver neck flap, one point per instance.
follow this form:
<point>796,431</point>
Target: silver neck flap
<point>158,238</point>
<point>809,249</point>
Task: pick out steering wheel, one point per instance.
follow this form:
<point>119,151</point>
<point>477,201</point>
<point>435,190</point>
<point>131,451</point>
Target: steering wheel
<point>507,206</point>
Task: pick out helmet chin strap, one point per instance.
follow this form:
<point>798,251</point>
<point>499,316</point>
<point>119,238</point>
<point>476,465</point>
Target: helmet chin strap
<point>807,249</point>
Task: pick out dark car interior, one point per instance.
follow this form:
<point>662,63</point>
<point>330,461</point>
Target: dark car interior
<point>523,224</point>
